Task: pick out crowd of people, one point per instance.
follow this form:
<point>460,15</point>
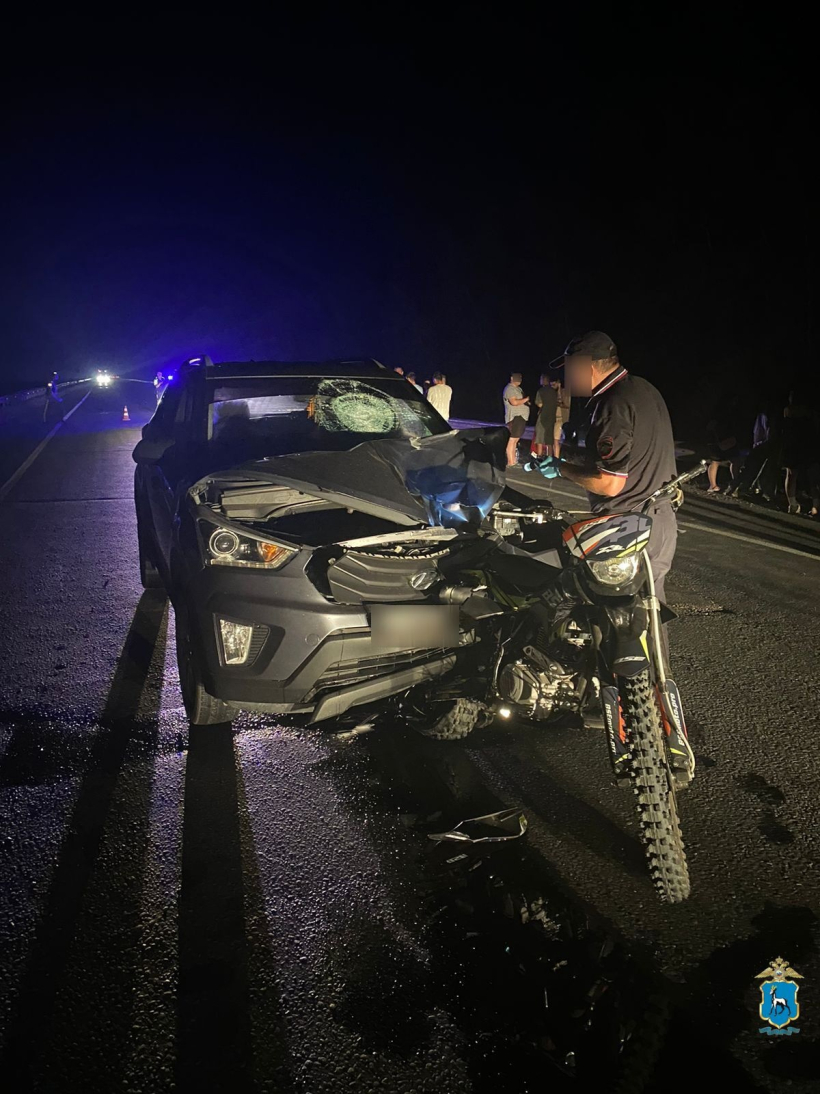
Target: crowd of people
<point>771,451</point>
<point>437,391</point>
<point>552,409</point>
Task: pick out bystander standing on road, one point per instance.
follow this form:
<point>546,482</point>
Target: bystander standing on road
<point>440,394</point>
<point>799,452</point>
<point>516,415</point>
<point>399,370</point>
<point>562,414</point>
<point>724,444</point>
<point>411,378</point>
<point>757,473</point>
<point>546,400</point>
<point>52,396</point>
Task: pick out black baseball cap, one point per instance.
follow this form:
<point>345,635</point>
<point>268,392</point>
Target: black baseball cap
<point>594,344</point>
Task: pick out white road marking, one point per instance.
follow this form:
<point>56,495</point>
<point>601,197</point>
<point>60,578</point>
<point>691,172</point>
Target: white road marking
<point>26,464</point>
<point>749,539</point>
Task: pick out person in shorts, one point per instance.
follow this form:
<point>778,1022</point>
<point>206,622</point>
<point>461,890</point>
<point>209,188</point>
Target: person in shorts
<point>516,415</point>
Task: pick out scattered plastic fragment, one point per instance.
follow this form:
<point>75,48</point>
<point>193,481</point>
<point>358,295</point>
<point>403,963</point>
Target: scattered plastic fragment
<point>507,824</point>
<point>363,727</point>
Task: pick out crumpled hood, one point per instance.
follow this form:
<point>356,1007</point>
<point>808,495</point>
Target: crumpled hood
<point>449,480</point>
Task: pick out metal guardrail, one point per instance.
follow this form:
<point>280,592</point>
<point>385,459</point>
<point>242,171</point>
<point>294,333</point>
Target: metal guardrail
<point>32,393</point>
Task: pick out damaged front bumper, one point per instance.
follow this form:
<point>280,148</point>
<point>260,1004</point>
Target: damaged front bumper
<point>308,655</point>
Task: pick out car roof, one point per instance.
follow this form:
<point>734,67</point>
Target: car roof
<point>354,368</point>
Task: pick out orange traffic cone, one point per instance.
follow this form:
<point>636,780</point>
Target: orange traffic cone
<point>125,417</point>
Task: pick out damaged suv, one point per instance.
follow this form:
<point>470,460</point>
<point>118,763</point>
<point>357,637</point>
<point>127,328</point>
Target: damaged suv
<point>272,505</point>
<point>328,541</point>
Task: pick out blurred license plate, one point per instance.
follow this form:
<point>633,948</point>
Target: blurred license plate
<point>413,626</point>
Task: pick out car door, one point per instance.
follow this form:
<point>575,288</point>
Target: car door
<point>182,463</point>
<point>162,474</point>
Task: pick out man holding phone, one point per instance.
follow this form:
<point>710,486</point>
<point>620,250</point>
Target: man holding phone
<point>516,415</point>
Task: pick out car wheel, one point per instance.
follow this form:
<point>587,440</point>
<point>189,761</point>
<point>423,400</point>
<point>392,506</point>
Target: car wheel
<point>202,709</point>
<point>149,574</point>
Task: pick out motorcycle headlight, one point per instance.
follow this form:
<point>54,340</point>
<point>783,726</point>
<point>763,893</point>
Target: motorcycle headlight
<point>616,571</point>
<point>228,547</point>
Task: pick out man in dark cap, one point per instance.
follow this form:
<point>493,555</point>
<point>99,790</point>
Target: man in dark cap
<point>630,450</point>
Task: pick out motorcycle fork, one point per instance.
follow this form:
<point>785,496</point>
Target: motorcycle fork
<point>666,690</point>
<point>615,732</point>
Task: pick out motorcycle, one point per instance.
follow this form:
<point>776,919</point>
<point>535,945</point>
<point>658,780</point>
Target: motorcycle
<point>563,620</point>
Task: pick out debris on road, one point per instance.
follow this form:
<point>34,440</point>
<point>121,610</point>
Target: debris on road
<point>505,825</point>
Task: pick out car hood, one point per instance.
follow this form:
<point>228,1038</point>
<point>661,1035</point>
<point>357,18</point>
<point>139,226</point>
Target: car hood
<point>449,480</point>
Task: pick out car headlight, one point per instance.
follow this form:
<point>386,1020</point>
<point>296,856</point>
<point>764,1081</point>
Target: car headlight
<point>616,571</point>
<point>227,547</point>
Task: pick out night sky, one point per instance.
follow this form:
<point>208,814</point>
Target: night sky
<point>455,187</point>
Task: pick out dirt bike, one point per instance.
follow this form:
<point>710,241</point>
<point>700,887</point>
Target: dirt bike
<point>564,620</point>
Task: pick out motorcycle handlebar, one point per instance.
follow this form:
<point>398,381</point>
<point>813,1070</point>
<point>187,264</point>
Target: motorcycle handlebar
<point>671,487</point>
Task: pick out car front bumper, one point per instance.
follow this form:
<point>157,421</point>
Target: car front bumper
<point>308,654</point>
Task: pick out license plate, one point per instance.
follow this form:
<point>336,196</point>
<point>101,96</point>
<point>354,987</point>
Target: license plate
<point>413,626</point>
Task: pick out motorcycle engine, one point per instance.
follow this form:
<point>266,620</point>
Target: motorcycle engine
<point>539,683</point>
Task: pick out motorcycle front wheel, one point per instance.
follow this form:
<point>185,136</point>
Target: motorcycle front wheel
<point>449,720</point>
<point>654,789</point>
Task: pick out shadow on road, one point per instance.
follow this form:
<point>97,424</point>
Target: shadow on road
<point>229,1021</point>
<point>77,1023</point>
<point>74,1007</point>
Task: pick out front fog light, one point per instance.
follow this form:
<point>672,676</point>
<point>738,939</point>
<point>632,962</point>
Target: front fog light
<point>236,641</point>
<point>615,571</point>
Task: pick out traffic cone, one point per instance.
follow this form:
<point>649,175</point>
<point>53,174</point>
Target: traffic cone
<point>125,417</point>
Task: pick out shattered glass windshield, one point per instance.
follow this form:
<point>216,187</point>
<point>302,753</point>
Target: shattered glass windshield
<point>281,415</point>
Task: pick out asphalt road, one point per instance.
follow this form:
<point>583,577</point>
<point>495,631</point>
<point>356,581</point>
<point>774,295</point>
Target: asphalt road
<point>260,909</point>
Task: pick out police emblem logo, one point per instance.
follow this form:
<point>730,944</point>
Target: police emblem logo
<point>778,998</point>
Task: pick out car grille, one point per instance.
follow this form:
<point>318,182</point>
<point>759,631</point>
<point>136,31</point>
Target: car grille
<point>342,674</point>
<point>358,577</point>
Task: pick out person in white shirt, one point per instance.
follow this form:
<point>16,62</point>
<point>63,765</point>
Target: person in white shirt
<point>411,376</point>
<point>440,394</point>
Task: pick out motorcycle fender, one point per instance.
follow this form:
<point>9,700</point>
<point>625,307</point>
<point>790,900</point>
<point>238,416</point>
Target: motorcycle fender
<point>629,656</point>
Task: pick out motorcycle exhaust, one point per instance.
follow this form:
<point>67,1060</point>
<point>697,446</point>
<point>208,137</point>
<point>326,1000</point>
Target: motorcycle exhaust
<point>455,594</point>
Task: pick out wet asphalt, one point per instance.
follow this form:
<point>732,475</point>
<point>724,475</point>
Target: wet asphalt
<point>260,909</point>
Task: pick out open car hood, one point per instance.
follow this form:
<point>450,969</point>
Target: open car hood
<point>449,480</point>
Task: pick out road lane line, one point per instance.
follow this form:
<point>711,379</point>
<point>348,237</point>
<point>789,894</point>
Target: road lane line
<point>714,531</point>
<point>748,539</point>
<point>26,464</point>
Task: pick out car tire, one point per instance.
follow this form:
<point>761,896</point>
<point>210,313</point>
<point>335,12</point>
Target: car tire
<point>149,573</point>
<point>459,719</point>
<point>201,707</point>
